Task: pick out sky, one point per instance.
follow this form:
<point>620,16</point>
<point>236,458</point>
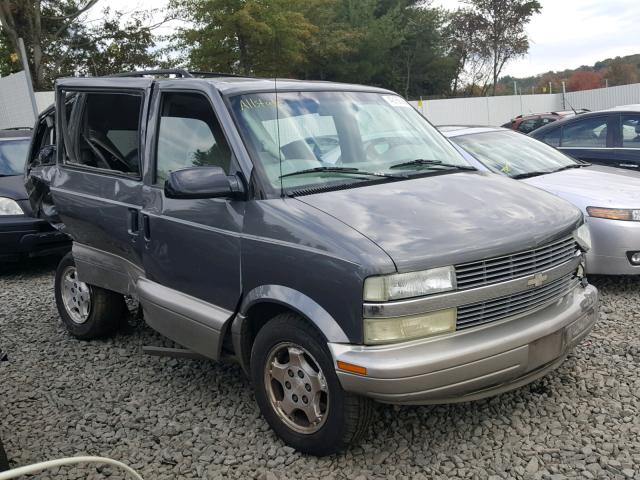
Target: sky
<point>566,34</point>
<point>572,33</point>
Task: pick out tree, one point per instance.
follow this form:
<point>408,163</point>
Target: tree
<point>466,49</point>
<point>40,23</point>
<point>621,73</point>
<point>250,37</point>
<point>584,80</point>
<point>501,29</point>
<point>58,43</point>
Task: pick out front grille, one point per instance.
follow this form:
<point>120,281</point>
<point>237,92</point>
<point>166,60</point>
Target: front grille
<point>522,302</point>
<point>500,269</point>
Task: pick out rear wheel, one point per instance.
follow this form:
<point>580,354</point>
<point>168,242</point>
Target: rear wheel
<point>298,390</point>
<point>87,311</point>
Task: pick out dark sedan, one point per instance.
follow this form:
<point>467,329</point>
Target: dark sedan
<point>20,234</point>
<point>607,137</point>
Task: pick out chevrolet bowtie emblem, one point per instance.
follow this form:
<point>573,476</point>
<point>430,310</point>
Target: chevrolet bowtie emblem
<point>537,280</point>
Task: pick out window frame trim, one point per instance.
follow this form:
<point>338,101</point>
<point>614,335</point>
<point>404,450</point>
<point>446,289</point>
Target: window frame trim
<point>153,157</point>
<point>141,92</point>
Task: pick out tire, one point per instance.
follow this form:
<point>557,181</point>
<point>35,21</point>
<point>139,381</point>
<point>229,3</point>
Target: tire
<point>99,317</point>
<point>4,462</point>
<point>288,344</point>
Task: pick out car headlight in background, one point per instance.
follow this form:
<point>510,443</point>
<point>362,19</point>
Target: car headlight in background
<point>9,207</point>
<point>408,285</point>
<point>582,236</point>
<point>631,215</point>
<point>400,329</point>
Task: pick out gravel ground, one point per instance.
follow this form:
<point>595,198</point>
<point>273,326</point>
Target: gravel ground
<point>173,418</point>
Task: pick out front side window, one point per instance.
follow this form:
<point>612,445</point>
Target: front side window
<point>550,137</point>
<point>13,155</point>
<point>586,133</point>
<point>630,130</point>
<point>513,154</point>
<point>338,139</point>
<point>102,131</point>
<point>189,135</point>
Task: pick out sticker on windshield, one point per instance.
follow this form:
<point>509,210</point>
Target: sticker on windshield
<point>395,101</point>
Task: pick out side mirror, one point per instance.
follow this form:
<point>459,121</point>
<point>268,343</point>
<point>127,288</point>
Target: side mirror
<point>201,182</point>
<point>46,155</point>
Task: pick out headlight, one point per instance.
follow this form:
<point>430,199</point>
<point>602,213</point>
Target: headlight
<point>407,285</point>
<point>398,329</point>
<point>9,207</point>
<point>632,215</point>
<point>582,236</point>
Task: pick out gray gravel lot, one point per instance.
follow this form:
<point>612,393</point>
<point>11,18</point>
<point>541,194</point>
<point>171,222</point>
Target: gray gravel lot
<point>173,418</point>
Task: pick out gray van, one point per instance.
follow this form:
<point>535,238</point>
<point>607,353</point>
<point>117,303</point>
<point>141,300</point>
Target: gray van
<point>324,235</point>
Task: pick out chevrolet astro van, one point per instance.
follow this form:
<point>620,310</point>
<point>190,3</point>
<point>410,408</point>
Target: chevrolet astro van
<point>324,235</point>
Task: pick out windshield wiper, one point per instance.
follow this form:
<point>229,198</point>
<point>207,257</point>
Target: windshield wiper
<point>531,174</point>
<point>431,163</point>
<point>345,170</point>
<point>573,165</point>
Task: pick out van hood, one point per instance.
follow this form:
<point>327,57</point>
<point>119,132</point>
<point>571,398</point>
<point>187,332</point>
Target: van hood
<point>594,186</point>
<point>450,218</point>
<point>13,187</point>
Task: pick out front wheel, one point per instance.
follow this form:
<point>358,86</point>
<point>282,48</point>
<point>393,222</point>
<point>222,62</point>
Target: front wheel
<point>87,311</point>
<point>298,390</point>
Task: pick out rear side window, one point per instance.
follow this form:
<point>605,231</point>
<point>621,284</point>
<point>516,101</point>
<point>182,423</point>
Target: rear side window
<point>189,135</point>
<point>527,126</point>
<point>551,137</point>
<point>102,131</point>
<point>586,133</point>
<point>630,130</point>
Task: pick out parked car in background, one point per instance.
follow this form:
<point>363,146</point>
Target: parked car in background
<point>609,197</point>
<point>20,233</point>
<point>324,235</point>
<point>529,123</point>
<point>606,137</point>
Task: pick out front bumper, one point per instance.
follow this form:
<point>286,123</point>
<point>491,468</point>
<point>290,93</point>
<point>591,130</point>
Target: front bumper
<point>474,363</point>
<point>611,240</point>
<point>23,235</point>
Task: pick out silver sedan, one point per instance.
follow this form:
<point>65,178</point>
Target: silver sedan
<point>609,197</point>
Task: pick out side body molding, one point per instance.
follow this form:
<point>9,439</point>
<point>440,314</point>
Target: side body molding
<point>106,270</point>
<point>193,323</point>
<point>297,301</point>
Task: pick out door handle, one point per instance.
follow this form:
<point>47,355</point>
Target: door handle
<point>134,223</point>
<point>146,227</point>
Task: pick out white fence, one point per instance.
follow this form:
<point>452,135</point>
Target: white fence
<point>16,109</point>
<point>499,110</point>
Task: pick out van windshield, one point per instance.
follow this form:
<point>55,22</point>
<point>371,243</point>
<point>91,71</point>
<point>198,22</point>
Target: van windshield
<point>13,155</point>
<point>326,139</point>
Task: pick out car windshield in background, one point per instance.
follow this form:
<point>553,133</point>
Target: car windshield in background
<point>13,154</point>
<point>327,139</point>
<point>514,154</point>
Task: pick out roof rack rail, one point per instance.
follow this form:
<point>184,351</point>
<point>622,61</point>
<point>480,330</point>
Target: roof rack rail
<point>17,128</point>
<point>165,71</point>
<point>180,72</point>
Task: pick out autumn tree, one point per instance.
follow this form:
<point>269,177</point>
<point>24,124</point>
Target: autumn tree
<point>501,29</point>
<point>583,80</point>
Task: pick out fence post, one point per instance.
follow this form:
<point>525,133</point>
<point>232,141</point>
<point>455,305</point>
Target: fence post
<point>27,72</point>
<point>564,93</point>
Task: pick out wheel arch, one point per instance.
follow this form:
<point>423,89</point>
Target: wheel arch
<point>265,302</point>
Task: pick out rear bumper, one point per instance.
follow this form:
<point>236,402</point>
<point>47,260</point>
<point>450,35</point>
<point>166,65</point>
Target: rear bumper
<point>612,239</point>
<point>475,363</point>
<point>23,235</point>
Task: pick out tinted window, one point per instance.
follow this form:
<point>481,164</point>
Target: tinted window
<point>631,130</point>
<point>189,135</point>
<point>550,137</point>
<point>589,133</point>
<point>513,154</point>
<point>528,125</point>
<point>13,155</point>
<point>102,131</point>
